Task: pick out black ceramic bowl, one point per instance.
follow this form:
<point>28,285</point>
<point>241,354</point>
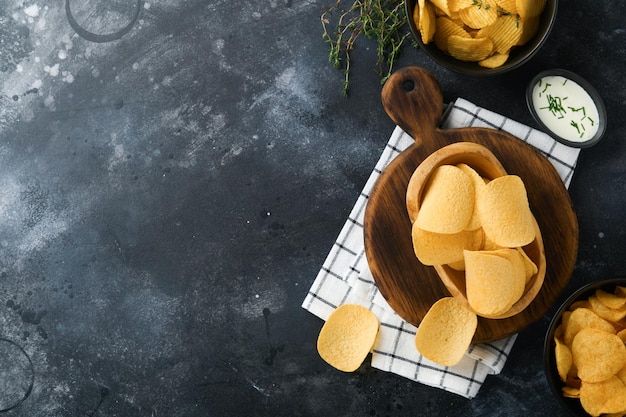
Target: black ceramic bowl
<point>588,88</point>
<point>572,405</point>
<point>519,55</point>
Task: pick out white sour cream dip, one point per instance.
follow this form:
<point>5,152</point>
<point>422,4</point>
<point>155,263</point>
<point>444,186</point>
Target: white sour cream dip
<point>565,108</point>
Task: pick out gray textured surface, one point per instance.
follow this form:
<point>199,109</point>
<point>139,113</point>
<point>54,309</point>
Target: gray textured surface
<point>167,198</point>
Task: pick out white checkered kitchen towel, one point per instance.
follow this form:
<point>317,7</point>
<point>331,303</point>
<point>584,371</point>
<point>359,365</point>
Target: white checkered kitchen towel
<point>345,276</point>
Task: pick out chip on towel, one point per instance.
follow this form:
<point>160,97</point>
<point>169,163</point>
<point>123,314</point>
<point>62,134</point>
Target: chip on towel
<point>446,331</point>
<point>347,337</point>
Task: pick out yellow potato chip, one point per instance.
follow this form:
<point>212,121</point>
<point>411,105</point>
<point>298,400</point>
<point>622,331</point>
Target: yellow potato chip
<point>469,49</point>
<point>608,396</point>
<point>622,335</point>
<point>582,318</point>
<point>529,29</point>
<point>478,183</point>
<point>529,8</point>
<point>492,284</point>
<point>605,312</point>
<point>442,5</point>
<point>494,61</point>
<point>457,266</point>
<point>479,14</point>
<point>504,212</point>
<point>456,5</point>
<point>448,201</point>
<point>597,354</point>
<point>505,33</point>
<point>610,300</point>
<point>519,270</point>
<point>425,20</point>
<point>347,337</point>
<point>529,266</point>
<point>571,392</point>
<point>439,249</point>
<point>446,27</point>
<point>508,6</point>
<point>563,356</point>
<point>446,331</point>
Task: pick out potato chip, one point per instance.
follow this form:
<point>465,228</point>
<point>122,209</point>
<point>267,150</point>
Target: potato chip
<point>508,6</point>
<point>530,267</point>
<point>529,28</point>
<point>446,27</point>
<point>456,5</point>
<point>492,284</point>
<point>446,331</point>
<point>425,20</point>
<point>494,61</point>
<point>347,337</point>
<point>563,356</point>
<point>603,397</point>
<point>584,318</point>
<point>448,201</point>
<point>478,182</point>
<point>469,49</point>
<point>622,335</point>
<point>597,354</point>
<point>442,5</point>
<point>479,14</point>
<point>504,212</point>
<point>529,8</point>
<point>605,312</point>
<point>440,249</point>
<point>610,300</point>
<point>505,33</point>
<point>571,392</point>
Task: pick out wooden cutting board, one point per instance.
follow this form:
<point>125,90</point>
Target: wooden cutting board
<point>413,100</point>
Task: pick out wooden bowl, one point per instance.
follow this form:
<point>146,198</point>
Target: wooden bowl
<point>488,166</point>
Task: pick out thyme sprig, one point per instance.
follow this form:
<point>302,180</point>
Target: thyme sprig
<point>381,20</point>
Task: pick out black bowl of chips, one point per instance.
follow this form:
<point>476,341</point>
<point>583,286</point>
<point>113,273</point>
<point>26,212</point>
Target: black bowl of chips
<point>482,37</point>
<point>585,352</point>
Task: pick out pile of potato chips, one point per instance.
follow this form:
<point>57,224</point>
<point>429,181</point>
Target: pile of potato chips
<point>482,31</point>
<point>477,226</point>
<point>590,352</point>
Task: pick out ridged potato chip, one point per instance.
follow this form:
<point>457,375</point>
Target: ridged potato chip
<point>347,337</point>
<point>508,6</point>
<point>529,8</point>
<point>505,33</point>
<point>507,23</point>
<point>446,332</point>
<point>446,27</point>
<point>479,15</point>
<point>494,61</point>
<point>469,49</point>
<point>425,20</point>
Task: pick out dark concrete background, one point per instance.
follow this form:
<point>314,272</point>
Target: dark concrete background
<point>168,194</point>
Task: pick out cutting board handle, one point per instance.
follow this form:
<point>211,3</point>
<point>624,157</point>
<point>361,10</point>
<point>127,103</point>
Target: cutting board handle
<point>412,99</point>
